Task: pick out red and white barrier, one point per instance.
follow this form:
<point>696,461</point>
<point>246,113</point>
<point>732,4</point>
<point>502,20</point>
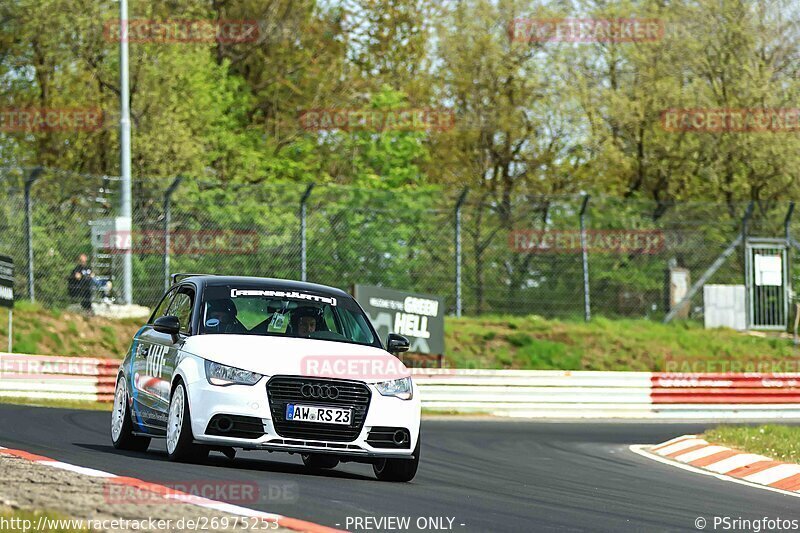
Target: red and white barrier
<point>725,388</point>
<point>586,394</point>
<point>520,393</point>
<point>53,377</point>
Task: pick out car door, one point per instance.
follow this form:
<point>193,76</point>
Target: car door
<point>163,357</point>
<point>144,384</point>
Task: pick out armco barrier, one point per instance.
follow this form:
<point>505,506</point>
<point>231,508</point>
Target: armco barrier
<point>582,394</point>
<point>52,377</point>
<point>537,393</point>
<point>516,393</point>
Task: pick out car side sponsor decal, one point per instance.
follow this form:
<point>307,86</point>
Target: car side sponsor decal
<point>155,360</point>
<point>293,295</point>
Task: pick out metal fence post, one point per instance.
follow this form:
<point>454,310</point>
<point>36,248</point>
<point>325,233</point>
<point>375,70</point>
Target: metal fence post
<point>789,290</point>
<point>747,283</point>
<point>787,222</point>
<point>303,200</point>
<point>34,175</point>
<point>587,309</point>
<point>459,203</point>
<point>167,222</point>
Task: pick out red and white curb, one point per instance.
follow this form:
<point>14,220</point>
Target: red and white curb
<point>174,495</point>
<point>697,455</point>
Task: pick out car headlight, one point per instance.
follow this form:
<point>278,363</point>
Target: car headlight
<point>218,374</point>
<point>400,388</point>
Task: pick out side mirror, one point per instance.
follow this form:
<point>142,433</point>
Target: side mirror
<point>167,324</point>
<point>396,343</point>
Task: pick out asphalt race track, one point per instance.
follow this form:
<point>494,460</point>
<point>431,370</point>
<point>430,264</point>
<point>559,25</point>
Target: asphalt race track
<point>488,475</point>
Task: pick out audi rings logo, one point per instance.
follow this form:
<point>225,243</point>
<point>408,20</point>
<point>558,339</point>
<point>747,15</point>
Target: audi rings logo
<point>319,391</point>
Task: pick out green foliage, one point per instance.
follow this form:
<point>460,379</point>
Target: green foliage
<point>519,339</point>
<point>532,342</point>
<point>27,342</point>
<point>532,119</point>
<point>771,440</point>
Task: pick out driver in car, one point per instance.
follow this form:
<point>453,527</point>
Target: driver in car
<point>306,321</point>
<point>221,317</point>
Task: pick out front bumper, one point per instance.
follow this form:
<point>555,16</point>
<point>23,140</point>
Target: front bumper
<point>206,401</point>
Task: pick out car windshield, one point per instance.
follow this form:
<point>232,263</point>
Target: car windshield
<point>263,310</point>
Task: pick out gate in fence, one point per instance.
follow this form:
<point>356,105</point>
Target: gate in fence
<point>767,283</point>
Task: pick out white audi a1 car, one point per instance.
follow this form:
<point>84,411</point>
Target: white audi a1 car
<point>228,363</point>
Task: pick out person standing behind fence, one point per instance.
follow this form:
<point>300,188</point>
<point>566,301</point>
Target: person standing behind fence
<point>79,285</point>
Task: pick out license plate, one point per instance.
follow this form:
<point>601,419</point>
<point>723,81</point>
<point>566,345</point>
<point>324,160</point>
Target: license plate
<point>321,415</point>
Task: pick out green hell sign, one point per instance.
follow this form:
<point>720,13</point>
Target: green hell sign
<point>420,317</point>
<point>6,282</point>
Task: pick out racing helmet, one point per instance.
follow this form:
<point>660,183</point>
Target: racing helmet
<point>222,305</point>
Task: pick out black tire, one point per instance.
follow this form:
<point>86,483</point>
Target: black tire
<point>125,440</point>
<point>319,461</point>
<point>401,470</point>
<point>186,450</point>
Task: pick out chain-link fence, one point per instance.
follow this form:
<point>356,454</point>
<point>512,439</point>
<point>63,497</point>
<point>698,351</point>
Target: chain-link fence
<point>556,256</point>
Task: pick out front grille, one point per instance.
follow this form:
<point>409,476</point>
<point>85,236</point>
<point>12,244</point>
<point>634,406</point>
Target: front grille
<point>383,437</point>
<point>283,390</point>
<point>243,427</point>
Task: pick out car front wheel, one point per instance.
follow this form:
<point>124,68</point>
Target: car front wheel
<point>122,436</point>
<point>180,440</point>
<point>398,469</point>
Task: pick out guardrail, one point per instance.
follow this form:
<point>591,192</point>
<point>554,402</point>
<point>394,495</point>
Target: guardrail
<point>516,393</point>
<point>53,377</point>
<point>585,394</point>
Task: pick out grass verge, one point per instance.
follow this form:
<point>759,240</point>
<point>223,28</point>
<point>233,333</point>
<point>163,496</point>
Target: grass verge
<point>46,521</point>
<point>42,331</point>
<point>536,343</point>
<point>781,443</point>
<point>66,404</point>
<point>516,342</point>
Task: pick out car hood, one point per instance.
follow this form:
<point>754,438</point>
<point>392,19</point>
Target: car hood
<point>273,355</point>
